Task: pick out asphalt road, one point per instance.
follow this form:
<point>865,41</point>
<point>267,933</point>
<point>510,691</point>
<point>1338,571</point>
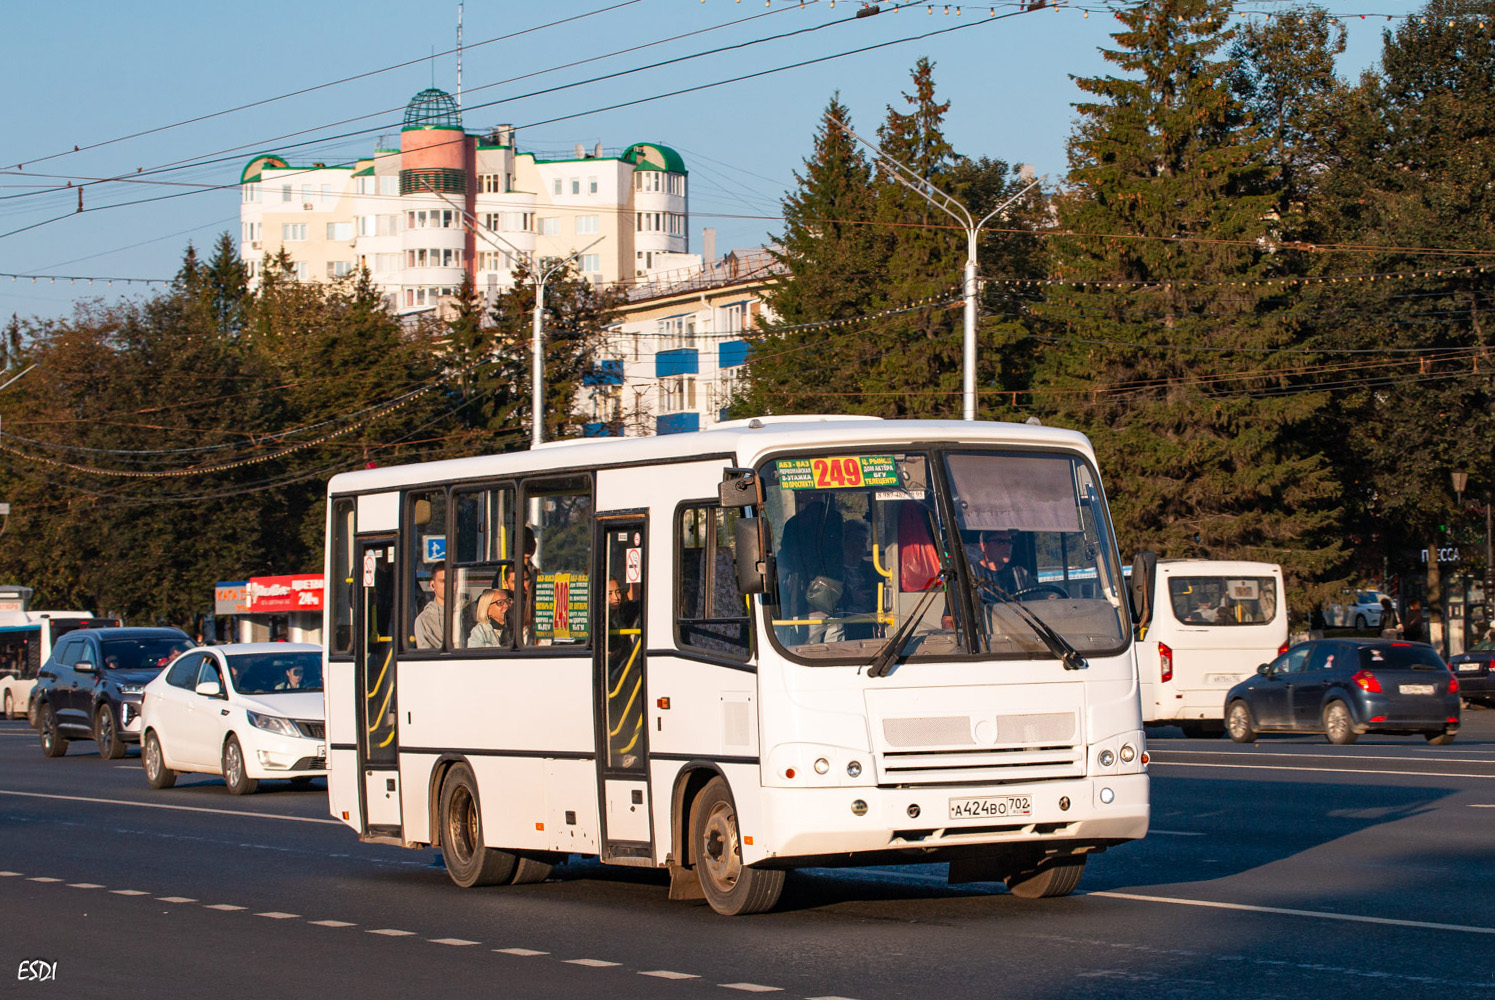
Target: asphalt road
<point>1289,868</point>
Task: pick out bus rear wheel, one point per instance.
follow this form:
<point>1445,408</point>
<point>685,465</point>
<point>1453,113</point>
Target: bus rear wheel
<point>1055,877</point>
<point>468,860</point>
<point>732,888</point>
<point>9,711</point>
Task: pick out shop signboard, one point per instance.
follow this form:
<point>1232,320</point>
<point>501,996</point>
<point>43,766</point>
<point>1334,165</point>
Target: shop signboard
<point>231,598</point>
<point>285,594</point>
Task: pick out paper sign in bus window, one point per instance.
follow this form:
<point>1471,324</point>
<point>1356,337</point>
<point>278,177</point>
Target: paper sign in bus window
<point>841,472</point>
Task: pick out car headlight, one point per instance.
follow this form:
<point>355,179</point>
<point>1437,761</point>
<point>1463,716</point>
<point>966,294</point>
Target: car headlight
<point>273,724</point>
<point>131,688</point>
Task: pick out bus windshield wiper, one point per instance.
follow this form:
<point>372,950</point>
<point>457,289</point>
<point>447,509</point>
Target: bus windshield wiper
<point>1058,645</point>
<point>883,661</point>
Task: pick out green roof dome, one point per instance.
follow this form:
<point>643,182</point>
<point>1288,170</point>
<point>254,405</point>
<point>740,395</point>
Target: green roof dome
<point>432,108</point>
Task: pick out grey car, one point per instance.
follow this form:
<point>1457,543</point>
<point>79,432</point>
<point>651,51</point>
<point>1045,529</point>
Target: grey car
<point>1345,687</point>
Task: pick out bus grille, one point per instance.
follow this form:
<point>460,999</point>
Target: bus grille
<point>933,750</point>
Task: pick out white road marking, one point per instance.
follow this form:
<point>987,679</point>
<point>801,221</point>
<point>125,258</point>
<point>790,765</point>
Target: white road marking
<point>225,907</point>
<point>666,974</point>
<point>391,932</point>
<point>331,923</point>
<point>1324,756</point>
<point>42,878</point>
<point>175,899</point>
<point>1472,805</point>
<point>129,892</point>
<point>162,805</point>
<point>751,987</point>
<point>1322,770</point>
<point>830,998</point>
<point>454,942</point>
<point>1285,911</point>
<point>591,963</point>
<point>277,915</point>
<point>84,885</point>
<point>10,874</point>
<point>521,952</point>
<point>1177,833</point>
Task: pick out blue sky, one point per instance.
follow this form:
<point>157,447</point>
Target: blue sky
<point>85,73</point>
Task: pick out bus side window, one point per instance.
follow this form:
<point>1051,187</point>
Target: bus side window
<point>710,612</point>
<point>342,576</point>
<point>426,593</point>
<point>553,581</point>
<point>483,560</point>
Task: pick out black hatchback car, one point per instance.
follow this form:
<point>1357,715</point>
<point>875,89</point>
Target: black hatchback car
<point>1475,669</point>
<point>1345,687</point>
<point>89,688</point>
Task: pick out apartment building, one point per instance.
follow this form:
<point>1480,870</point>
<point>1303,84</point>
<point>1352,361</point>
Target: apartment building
<point>439,203</point>
<point>680,347</point>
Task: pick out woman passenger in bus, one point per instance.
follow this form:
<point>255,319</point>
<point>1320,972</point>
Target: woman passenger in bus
<point>493,628</point>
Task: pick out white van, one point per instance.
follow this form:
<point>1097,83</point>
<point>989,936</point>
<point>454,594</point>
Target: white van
<point>1203,625</point>
<point>26,641</point>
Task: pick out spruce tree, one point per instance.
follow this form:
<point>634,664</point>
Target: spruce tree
<point>1167,342</point>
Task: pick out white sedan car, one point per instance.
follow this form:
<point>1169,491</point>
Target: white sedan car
<point>247,711</point>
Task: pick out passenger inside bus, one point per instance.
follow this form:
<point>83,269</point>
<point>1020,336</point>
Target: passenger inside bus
<point>493,628</point>
<point>997,567</point>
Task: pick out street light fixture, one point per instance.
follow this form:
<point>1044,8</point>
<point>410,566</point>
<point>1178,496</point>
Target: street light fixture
<point>1460,480</point>
<point>909,178</point>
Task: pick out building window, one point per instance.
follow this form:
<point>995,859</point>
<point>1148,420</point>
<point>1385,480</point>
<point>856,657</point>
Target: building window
<point>386,262</point>
<point>576,185</point>
<point>557,185</point>
<point>591,263</point>
<point>389,225</point>
<point>300,270</point>
<point>285,192</point>
<point>448,219</point>
<point>340,232</point>
<point>591,185</point>
<point>735,318</point>
<point>251,192</point>
<point>326,193</point>
<point>677,331</point>
<point>306,194</point>
<point>677,394</point>
<point>518,222</point>
<point>675,184</point>
<point>390,185</point>
<point>339,268</point>
<point>647,180</point>
<point>586,225</point>
<point>490,183</point>
<point>550,227</point>
<point>494,260</point>
<point>293,232</point>
<point>491,221</point>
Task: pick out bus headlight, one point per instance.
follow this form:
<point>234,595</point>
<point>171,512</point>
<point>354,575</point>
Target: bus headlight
<point>822,765</point>
<point>1106,757</point>
<point>854,769</point>
<point>1128,753</point>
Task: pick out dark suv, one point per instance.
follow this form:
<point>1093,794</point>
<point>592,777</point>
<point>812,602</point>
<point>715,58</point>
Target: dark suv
<point>89,689</point>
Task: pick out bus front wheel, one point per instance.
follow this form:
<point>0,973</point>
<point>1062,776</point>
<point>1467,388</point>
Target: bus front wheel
<point>468,860</point>
<point>732,888</point>
<point>1057,877</point>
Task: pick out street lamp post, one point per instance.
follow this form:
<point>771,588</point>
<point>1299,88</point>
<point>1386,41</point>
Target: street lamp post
<point>909,178</point>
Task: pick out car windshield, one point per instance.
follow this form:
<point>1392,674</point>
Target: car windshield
<point>275,673</point>
<point>1398,657</point>
<point>863,552</point>
<point>1223,600</point>
<point>147,653</point>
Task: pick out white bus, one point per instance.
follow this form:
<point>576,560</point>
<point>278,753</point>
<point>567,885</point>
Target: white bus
<point>736,652</point>
<point>26,640</point>
<point>1203,626</point>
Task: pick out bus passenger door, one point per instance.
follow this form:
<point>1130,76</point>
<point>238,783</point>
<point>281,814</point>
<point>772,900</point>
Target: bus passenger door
<point>374,673</point>
<point>622,688</point>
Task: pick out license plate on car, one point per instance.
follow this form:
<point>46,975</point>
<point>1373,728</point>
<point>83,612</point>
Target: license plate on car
<point>998,806</point>
<point>1468,667</point>
<point>1218,679</point>
<point>1416,689</point>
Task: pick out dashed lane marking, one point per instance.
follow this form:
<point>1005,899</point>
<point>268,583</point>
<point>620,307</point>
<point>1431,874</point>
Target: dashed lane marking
<point>454,942</point>
<point>175,899</point>
<point>331,923</point>
<point>84,885</point>
<point>1288,912</point>
<point>751,987</point>
<point>163,805</point>
<point>10,874</point>
<point>1321,770</point>
<point>129,892</point>
<point>277,915</point>
<point>391,932</point>
<point>666,974</point>
<point>521,952</point>
<point>1322,756</point>
<point>42,878</point>
<point>225,907</point>
<point>591,963</point>
<point>1472,805</point>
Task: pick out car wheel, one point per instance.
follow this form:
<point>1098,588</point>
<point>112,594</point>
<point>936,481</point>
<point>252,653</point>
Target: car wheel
<point>9,710</point>
<point>1360,621</point>
<point>469,861</point>
<point>731,887</point>
<point>1057,877</point>
<point>157,774</point>
<point>106,734</point>
<point>1440,739</point>
<point>1238,722</point>
<point>53,743</point>
<point>1338,725</point>
<point>238,782</point>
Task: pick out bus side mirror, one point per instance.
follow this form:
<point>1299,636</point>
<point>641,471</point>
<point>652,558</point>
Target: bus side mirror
<point>739,488</point>
<point>753,569</point>
<point>1144,574</point>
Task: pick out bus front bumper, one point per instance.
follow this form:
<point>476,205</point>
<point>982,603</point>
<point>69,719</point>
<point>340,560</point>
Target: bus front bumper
<point>820,822</point>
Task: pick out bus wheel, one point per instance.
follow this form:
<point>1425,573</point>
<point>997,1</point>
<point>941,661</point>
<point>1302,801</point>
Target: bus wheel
<point>1440,738</point>
<point>1238,721</point>
<point>468,861</point>
<point>528,870</point>
<point>732,888</point>
<point>9,712</point>
<point>1057,877</point>
<point>157,774</point>
<point>53,745</point>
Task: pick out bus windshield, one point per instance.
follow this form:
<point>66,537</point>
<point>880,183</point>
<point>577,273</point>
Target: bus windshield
<point>1223,600</point>
<point>862,549</point>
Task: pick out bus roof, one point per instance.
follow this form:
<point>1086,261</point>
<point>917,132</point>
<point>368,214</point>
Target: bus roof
<point>742,441</point>
<point>21,618</point>
<point>1219,567</point>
